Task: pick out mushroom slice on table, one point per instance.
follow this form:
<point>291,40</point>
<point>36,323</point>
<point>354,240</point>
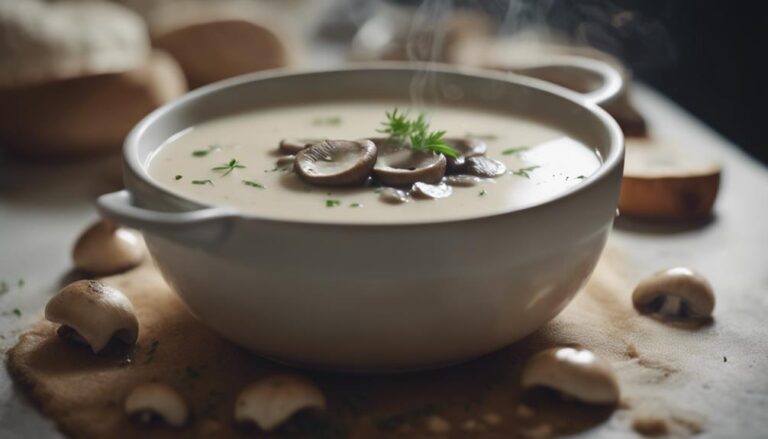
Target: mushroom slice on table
<point>106,248</point>
<point>150,401</point>
<point>482,166</point>
<point>466,147</point>
<point>293,146</point>
<point>575,373</point>
<point>676,293</point>
<point>93,313</point>
<point>272,401</point>
<point>398,165</point>
<point>430,191</point>
<point>336,162</point>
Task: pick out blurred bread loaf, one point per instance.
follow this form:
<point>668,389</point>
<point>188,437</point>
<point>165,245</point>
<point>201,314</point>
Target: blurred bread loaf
<point>662,183</point>
<point>218,40</point>
<point>86,114</point>
<point>42,41</point>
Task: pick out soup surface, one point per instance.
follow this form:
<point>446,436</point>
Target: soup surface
<point>541,163</point>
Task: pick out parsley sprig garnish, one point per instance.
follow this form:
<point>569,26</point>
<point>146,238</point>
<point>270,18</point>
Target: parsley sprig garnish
<point>416,133</point>
<point>228,167</point>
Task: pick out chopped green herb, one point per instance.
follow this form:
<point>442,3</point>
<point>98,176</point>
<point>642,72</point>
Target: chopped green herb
<point>229,167</point>
<point>524,172</point>
<point>581,177</point>
<point>483,193</point>
<point>332,203</point>
<point>202,182</point>
<point>4,287</point>
<point>332,120</point>
<point>205,152</point>
<point>252,183</point>
<point>514,151</point>
<point>355,205</point>
<point>416,133</point>
<point>17,312</point>
<point>178,177</point>
<point>483,136</point>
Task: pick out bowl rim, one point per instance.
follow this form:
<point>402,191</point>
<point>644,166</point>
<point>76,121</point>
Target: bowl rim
<point>615,158</point>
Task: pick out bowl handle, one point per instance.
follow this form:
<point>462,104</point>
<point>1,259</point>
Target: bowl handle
<point>596,81</point>
<point>207,225</point>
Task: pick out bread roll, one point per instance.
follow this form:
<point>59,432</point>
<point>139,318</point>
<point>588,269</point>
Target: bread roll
<point>662,183</point>
<point>86,114</point>
<point>41,42</point>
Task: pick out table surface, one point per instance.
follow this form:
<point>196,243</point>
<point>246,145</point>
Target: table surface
<point>43,207</point>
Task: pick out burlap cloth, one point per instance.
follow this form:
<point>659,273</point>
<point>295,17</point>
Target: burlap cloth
<point>84,393</point>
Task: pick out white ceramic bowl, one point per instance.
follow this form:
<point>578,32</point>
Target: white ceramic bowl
<point>376,297</point>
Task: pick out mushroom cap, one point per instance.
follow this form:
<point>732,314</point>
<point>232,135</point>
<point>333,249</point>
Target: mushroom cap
<point>578,373</point>
<point>398,165</point>
<point>482,166</point>
<point>105,248</point>
<point>44,41</point>
<point>293,146</point>
<point>159,399</point>
<point>336,162</point>
<point>96,312</point>
<point>677,292</point>
<point>466,147</point>
<point>431,191</point>
<point>272,401</point>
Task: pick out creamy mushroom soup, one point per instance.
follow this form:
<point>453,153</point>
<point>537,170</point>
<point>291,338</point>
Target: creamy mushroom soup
<point>236,161</point>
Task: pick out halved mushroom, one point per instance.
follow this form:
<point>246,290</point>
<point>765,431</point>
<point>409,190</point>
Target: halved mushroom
<point>150,401</point>
<point>272,401</point>
<point>293,146</point>
<point>430,191</point>
<point>286,160</point>
<point>398,165</point>
<point>576,373</point>
<point>676,293</point>
<point>482,166</point>
<point>461,180</point>
<point>466,147</point>
<point>93,313</point>
<point>393,196</point>
<point>336,162</point>
<point>105,248</point>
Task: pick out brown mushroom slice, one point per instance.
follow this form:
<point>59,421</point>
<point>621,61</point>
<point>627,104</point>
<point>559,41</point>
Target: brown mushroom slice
<point>462,180</point>
<point>466,147</point>
<point>393,196</point>
<point>286,160</point>
<point>293,146</point>
<point>105,248</point>
<point>274,400</point>
<point>336,162</point>
<point>93,313</point>
<point>482,166</point>
<point>150,401</point>
<point>398,165</point>
<point>430,191</point>
<point>663,183</point>
<point>676,293</point>
<point>574,373</point>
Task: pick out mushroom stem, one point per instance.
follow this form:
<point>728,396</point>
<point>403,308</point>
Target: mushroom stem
<point>671,307</point>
